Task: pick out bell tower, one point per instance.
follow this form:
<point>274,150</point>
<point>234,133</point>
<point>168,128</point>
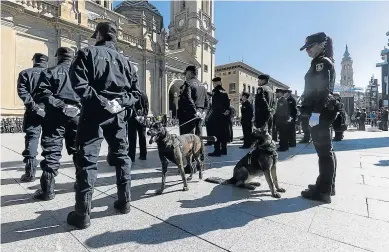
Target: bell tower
<point>347,70</point>
<point>191,28</point>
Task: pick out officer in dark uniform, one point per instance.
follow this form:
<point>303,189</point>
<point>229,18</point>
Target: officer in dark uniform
<point>339,125</point>
<point>137,127</point>
<point>219,117</point>
<point>187,111</point>
<point>201,106</point>
<point>321,107</point>
<point>209,110</point>
<point>279,93</point>
<point>292,108</point>
<point>282,120</point>
<point>357,118</point>
<point>264,108</point>
<point>246,120</point>
<point>362,120</point>
<point>106,82</point>
<point>385,115</point>
<point>28,82</point>
<point>62,106</point>
<point>232,114</point>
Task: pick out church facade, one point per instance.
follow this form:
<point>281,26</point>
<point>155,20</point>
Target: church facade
<point>31,26</point>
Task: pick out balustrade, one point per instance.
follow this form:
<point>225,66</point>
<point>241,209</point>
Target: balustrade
<point>45,8</point>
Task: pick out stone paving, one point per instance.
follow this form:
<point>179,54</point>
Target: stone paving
<point>208,217</point>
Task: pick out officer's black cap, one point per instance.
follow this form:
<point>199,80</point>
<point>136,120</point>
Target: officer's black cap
<point>279,90</point>
<point>247,95</point>
<point>105,29</point>
<point>313,39</point>
<point>191,69</point>
<point>217,79</point>
<point>64,52</point>
<point>264,77</point>
<point>40,57</point>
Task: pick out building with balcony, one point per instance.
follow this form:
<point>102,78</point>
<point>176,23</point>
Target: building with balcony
<point>384,101</point>
<point>31,26</point>
<point>238,77</point>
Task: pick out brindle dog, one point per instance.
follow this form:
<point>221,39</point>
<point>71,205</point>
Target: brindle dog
<point>261,160</point>
<point>178,150</point>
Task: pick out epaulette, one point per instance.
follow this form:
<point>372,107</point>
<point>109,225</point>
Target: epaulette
<point>327,59</point>
<point>223,91</point>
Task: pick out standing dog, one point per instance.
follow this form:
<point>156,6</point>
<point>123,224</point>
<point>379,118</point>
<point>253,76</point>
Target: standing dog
<point>261,160</point>
<point>179,150</point>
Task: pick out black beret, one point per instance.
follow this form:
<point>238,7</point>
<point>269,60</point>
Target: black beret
<point>105,29</point>
<point>246,94</point>
<point>313,39</point>
<point>191,69</point>
<point>264,77</point>
<point>217,79</point>
<point>40,57</point>
<point>64,52</point>
<point>279,90</point>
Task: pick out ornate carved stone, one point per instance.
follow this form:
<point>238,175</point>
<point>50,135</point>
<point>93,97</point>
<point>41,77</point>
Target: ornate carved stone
<point>65,33</point>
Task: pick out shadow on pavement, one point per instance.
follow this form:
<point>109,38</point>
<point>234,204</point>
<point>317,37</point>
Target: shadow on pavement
<point>226,218</point>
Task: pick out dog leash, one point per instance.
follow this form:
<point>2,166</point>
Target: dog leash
<point>174,127</point>
<point>290,157</point>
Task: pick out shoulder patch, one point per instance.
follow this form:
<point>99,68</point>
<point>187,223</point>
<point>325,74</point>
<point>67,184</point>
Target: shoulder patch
<point>319,67</point>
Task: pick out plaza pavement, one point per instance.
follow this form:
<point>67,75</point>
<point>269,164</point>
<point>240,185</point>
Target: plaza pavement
<point>208,217</point>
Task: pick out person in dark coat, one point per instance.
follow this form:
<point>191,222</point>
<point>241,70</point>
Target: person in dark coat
<point>282,120</point>
<point>219,118</point>
<point>264,104</point>
<point>27,86</point>
<point>384,118</point>
<point>107,84</point>
<point>201,106</point>
<point>187,111</point>
<point>232,114</point>
<point>357,118</point>
<point>339,125</point>
<point>209,111</point>
<point>292,108</point>
<point>62,107</point>
<point>320,106</point>
<point>136,126</point>
<point>246,120</point>
<point>275,131</point>
<point>362,120</point>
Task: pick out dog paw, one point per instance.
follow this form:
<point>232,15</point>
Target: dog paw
<point>189,178</point>
<point>281,190</point>
<point>276,195</point>
<point>159,192</point>
<point>185,188</point>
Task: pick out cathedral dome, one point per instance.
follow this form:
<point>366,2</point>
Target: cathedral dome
<point>139,5</point>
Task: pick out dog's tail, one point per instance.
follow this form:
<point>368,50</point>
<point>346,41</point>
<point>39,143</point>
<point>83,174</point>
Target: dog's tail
<point>220,181</point>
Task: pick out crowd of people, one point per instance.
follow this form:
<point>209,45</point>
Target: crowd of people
<point>95,95</point>
<point>378,118</point>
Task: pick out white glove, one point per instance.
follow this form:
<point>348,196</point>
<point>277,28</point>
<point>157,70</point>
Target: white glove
<point>198,114</point>
<point>71,111</point>
<point>114,107</point>
<point>290,119</point>
<point>314,119</point>
<point>203,115</point>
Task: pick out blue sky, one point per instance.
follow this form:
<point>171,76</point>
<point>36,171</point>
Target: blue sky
<point>268,35</point>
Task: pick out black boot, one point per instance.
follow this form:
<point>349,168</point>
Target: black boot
<point>30,170</point>
<point>312,187</point>
<point>80,218</point>
<point>47,187</point>
<point>123,202</point>
<point>316,196</point>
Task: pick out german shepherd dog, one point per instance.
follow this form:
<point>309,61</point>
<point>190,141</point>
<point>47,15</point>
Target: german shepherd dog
<point>261,160</point>
<point>178,150</point>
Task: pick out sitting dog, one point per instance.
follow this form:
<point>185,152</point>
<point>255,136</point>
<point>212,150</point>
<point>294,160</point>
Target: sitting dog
<point>261,160</point>
<point>179,150</point>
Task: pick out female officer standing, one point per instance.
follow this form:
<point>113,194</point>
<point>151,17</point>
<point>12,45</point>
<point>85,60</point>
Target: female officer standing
<point>320,106</point>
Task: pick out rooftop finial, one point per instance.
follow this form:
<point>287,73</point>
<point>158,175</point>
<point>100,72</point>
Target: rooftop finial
<point>346,53</point>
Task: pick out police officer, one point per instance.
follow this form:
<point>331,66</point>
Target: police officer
<point>62,106</point>
<point>246,120</point>
<point>201,105</point>
<point>138,127</point>
<point>27,86</point>
<point>385,119</point>
<point>187,111</point>
<point>357,118</point>
<point>282,120</point>
<point>339,124</point>
<point>362,120</point>
<point>219,118</point>
<point>232,114</point>
<point>292,108</point>
<point>106,82</point>
<point>319,103</point>
<point>264,108</point>
<point>279,93</point>
<point>209,111</point>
